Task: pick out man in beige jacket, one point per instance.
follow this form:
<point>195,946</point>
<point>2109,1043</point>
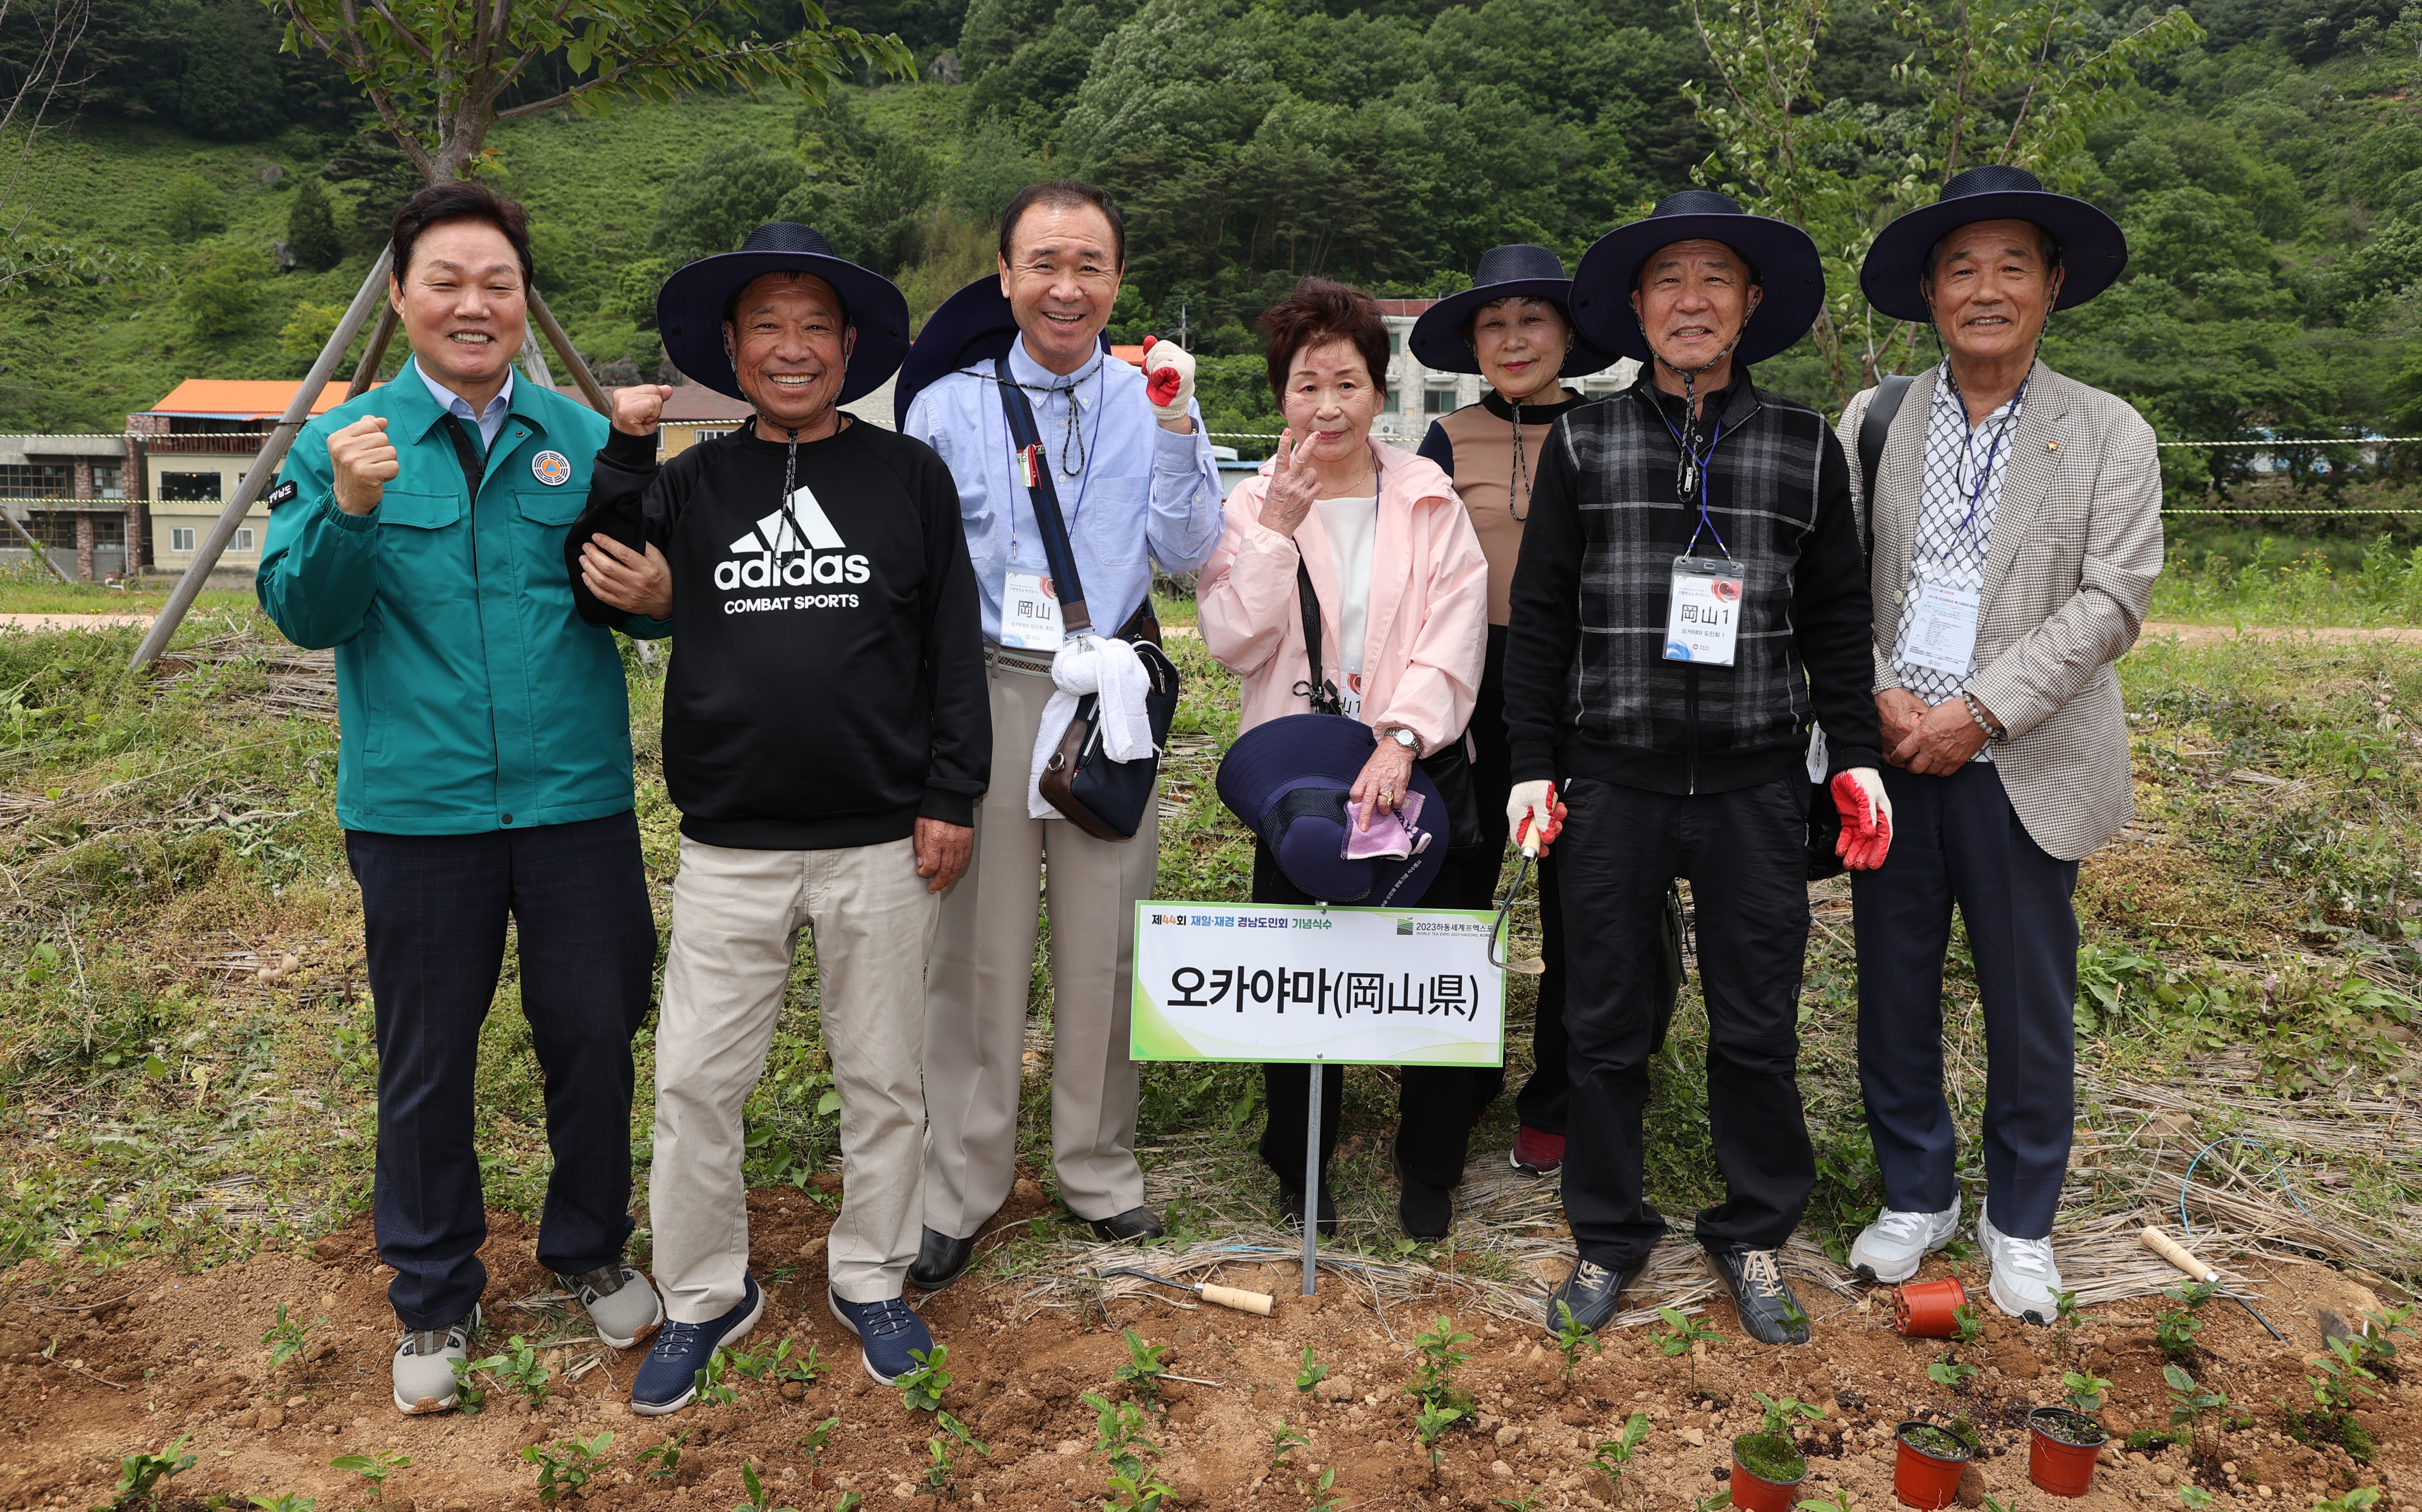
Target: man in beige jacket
<point>2014,519</point>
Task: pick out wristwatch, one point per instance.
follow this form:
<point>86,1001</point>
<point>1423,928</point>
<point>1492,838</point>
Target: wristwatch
<point>1405,737</point>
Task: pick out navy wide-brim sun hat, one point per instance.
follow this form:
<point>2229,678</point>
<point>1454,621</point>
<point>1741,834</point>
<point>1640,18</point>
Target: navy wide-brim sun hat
<point>1789,273</point>
<point>970,329</point>
<point>1286,780</point>
<point>696,299</point>
<point>1515,272</point>
<point>2093,249</point>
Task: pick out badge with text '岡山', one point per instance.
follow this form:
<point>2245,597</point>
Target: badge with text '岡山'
<point>1703,616</point>
<point>1265,982</point>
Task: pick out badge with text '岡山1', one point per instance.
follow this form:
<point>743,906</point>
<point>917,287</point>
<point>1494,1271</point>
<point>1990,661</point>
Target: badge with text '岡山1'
<point>1703,616</point>
<point>1266,982</point>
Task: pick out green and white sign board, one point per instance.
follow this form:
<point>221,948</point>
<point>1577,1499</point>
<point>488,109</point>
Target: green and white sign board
<point>1269,982</point>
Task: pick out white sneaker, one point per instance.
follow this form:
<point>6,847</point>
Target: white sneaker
<point>1890,1248</point>
<point>2026,1283</point>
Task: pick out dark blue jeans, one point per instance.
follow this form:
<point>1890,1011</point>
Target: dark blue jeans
<point>1956,840</point>
<point>433,908</point>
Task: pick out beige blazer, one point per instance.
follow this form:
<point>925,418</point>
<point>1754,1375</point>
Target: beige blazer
<point>2077,542</point>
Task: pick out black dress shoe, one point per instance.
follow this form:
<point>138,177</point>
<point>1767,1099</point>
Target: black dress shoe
<point>940,1260</point>
<point>1593,1292</point>
<point>1291,1207</point>
<point>1768,1312</point>
<point>1136,1223</point>
<point>1425,1211</point>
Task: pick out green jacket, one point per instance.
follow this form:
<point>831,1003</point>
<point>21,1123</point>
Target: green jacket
<point>472,696</point>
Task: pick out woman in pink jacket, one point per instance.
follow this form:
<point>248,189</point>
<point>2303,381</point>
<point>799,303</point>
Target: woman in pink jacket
<point>1385,547</point>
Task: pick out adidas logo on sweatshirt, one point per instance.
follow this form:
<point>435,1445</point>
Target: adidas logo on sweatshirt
<point>785,549</point>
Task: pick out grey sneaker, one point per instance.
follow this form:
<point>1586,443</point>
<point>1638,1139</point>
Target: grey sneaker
<point>424,1365</point>
<point>621,1302</point>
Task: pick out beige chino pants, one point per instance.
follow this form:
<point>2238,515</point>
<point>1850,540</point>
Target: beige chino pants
<point>737,916</point>
<point>975,997</point>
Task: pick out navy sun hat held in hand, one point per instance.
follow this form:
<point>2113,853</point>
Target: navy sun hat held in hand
<point>1288,779</point>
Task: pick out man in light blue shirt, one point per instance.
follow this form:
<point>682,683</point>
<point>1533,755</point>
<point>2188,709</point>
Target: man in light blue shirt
<point>1136,483</point>
<point>489,420</point>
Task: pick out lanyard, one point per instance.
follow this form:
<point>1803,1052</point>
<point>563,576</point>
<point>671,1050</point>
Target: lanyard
<point>1084,474</point>
<point>1695,465</point>
<point>1967,456</point>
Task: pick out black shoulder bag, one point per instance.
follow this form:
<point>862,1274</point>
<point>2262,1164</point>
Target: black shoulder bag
<point>1104,797</point>
<point>1450,766</point>
<point>1824,819</point>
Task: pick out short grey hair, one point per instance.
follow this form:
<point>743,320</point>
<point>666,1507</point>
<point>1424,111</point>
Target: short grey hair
<point>2047,246</point>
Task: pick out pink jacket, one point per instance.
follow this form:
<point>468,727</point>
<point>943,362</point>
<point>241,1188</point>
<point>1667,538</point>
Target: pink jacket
<point>1426,632</point>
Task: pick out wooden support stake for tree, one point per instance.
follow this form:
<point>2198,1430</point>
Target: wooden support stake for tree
<point>41,553</point>
<point>265,465</point>
<point>590,388</point>
<point>367,372</point>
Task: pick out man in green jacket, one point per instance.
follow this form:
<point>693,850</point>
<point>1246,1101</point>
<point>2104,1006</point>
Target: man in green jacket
<point>484,773</point>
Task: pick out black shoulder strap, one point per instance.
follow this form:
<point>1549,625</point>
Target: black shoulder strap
<point>1045,494</point>
<point>1873,427</point>
<point>1322,694</point>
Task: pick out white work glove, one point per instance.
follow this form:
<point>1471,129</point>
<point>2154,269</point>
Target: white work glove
<point>1867,818</point>
<point>1534,803</point>
<point>1168,380</point>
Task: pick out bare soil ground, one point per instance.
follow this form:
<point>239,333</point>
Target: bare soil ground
<point>141,1355</point>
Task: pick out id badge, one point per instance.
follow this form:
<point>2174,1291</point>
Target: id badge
<point>1030,612</point>
<point>1942,631</point>
<point>1702,618</point>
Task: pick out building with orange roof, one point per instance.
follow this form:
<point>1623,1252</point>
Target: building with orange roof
<point>193,448</point>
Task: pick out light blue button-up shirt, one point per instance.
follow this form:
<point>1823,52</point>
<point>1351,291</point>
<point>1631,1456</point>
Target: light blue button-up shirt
<point>1128,489</point>
<point>490,421</point>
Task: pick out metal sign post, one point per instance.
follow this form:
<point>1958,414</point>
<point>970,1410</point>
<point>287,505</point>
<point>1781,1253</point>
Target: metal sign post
<point>1312,1179</point>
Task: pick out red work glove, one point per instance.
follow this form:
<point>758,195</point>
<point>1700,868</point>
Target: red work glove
<point>1533,806</point>
<point>1866,818</point>
<point>1168,378</point>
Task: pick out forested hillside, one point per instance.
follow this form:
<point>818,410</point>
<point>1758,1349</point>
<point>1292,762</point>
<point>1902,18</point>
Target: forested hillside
<point>2269,178</point>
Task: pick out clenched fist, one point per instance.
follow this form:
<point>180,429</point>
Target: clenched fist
<point>363,461</point>
<point>637,408</point>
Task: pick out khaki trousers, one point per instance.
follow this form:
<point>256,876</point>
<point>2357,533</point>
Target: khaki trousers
<point>975,997</point>
<point>736,920</point>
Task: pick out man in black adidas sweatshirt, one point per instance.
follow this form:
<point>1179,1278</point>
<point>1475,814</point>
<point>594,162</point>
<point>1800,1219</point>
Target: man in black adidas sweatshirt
<point>827,732</point>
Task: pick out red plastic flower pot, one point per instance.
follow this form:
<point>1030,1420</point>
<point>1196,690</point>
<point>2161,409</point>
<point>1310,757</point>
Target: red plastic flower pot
<point>1752,1492</point>
<point>2055,1463</point>
<point>1924,1309</point>
<point>1923,1479</point>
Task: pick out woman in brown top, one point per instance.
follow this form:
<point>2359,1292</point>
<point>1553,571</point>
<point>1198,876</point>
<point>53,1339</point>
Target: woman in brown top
<point>1514,328</point>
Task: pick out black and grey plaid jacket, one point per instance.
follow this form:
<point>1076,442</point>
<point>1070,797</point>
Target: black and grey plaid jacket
<point>1588,691</point>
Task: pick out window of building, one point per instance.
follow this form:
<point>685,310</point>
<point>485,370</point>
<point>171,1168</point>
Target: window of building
<point>181,538</point>
<point>1438,401</point>
<point>243,539</point>
<point>1389,404</point>
<point>108,480</point>
<point>188,488</point>
<point>52,528</point>
<point>1396,343</point>
<point>38,480</point>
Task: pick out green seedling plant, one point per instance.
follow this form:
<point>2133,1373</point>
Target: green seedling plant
<point>2377,1342</point>
<point>286,1339</point>
<point>1119,1439</point>
<point>1950,1374</point>
<point>712,1380</point>
<point>666,1455</point>
<point>812,1444</point>
<point>2085,1391</point>
<point>1680,1336</point>
<point>1570,1336</point>
<point>140,1476</point>
<point>2175,1329</point>
<point>1442,1404</point>
<point>569,1465</point>
<point>942,1451</point>
<point>1994,1504</point>
<point>1970,1327</point>
<point>757,1501</point>
<point>374,1469</point>
<point>1779,1414</point>
<point>1519,1503</point>
<point>2190,1403</point>
<point>469,1397</point>
<point>1284,1441</point>
<point>1840,1502</point>
<point>1717,1502</point>
<point>2361,1499</point>
<point>1324,1497</point>
<point>746,1365</point>
<point>1614,1456</point>
<point>921,1387</point>
<point>849,1500</point>
<point>516,1368</point>
<point>2337,1377</point>
<point>2194,1497</point>
<point>1311,1374</point>
<point>290,1502</point>
<point>1143,1370</point>
<point>804,1370</point>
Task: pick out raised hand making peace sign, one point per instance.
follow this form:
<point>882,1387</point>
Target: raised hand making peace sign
<point>1294,485</point>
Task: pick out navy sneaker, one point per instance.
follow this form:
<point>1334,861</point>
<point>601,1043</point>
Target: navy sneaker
<point>885,1330</point>
<point>667,1379</point>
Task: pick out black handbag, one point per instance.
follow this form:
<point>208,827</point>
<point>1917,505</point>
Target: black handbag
<point>1824,819</point>
<point>1449,767</point>
<point>1105,798</point>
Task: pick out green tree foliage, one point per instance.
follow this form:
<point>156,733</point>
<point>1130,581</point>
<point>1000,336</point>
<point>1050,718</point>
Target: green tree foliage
<point>311,229</point>
<point>192,207</point>
<point>222,92</point>
<point>220,298</point>
<point>731,191</point>
<point>374,171</point>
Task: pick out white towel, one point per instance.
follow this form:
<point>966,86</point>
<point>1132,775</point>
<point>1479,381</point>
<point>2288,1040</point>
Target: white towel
<point>1092,664</point>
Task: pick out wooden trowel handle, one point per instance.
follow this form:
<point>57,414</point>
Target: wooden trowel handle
<point>2170,1249</point>
<point>1243,1302</point>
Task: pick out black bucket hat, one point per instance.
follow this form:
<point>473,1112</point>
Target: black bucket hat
<point>1517,272</point>
<point>1788,270</point>
<point>696,299</point>
<point>1288,780</point>
<point>970,329</point>
<point>2093,250</point>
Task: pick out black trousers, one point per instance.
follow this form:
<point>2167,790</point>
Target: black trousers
<point>1541,1102</point>
<point>434,908</point>
<point>1436,1105</point>
<point>1956,840</point>
<point>1745,855</point>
